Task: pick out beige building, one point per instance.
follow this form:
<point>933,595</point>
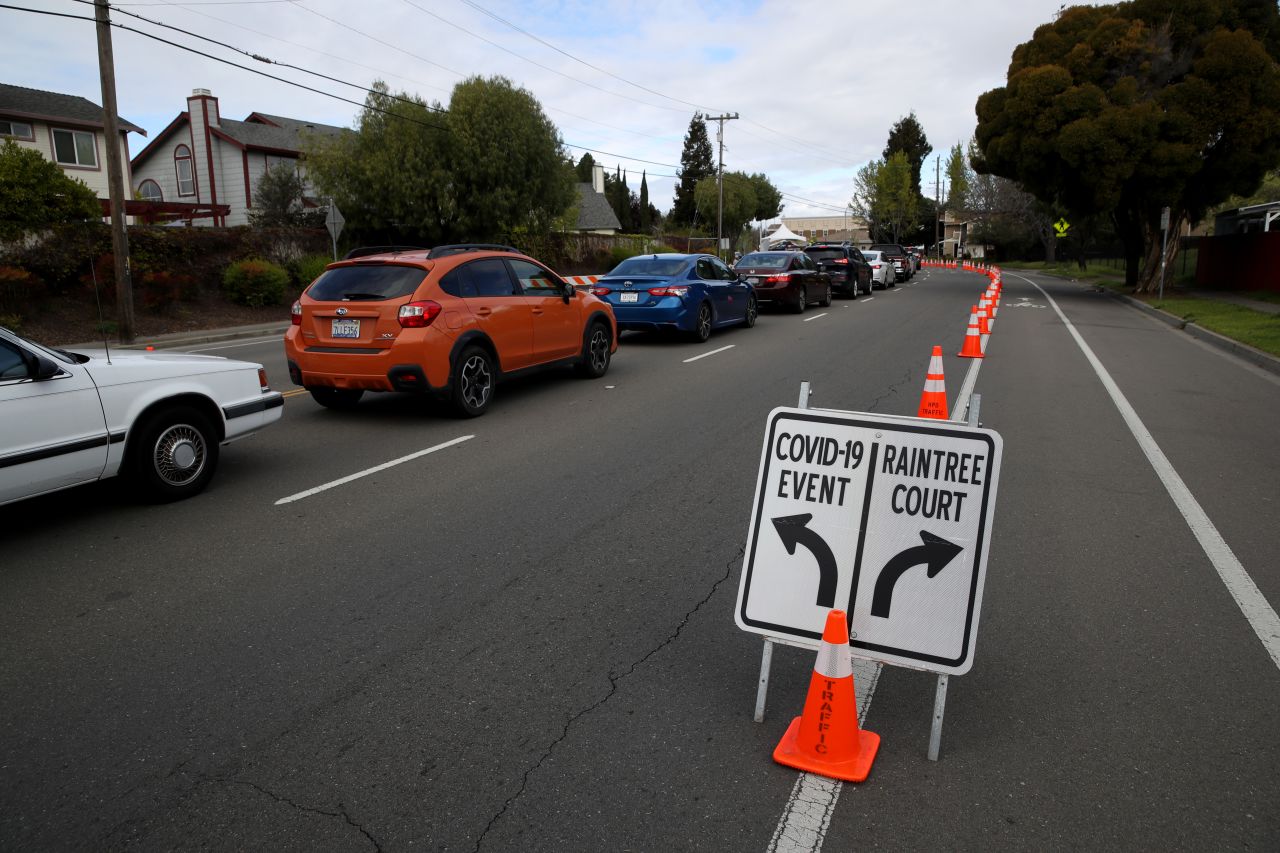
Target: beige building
<point>838,228</point>
<point>67,129</point>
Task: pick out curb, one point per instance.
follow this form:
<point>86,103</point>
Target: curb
<point>182,339</point>
<point>1257,357</point>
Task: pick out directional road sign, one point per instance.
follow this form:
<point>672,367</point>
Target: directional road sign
<point>888,518</point>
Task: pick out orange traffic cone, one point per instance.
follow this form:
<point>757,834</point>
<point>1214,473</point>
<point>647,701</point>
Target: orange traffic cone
<point>933,401</point>
<point>972,338</point>
<point>826,739</point>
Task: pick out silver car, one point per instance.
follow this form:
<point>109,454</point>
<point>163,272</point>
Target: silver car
<point>882,272</point>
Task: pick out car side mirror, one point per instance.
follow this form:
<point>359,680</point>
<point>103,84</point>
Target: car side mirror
<point>569,292</point>
<point>39,367</point>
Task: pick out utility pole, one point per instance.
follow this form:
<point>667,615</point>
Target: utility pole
<point>937,204</point>
<point>720,179</point>
<point>115,176</point>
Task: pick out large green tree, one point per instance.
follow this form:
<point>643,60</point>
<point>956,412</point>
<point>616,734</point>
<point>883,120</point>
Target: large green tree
<point>1124,109</point>
<point>35,193</point>
<point>740,202</point>
<point>768,197</point>
<point>897,202</point>
<point>957,181</point>
<point>490,165</point>
<point>907,136</point>
<point>697,161</point>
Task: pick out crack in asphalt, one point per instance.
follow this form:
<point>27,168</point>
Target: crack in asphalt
<point>341,812</point>
<point>614,680</point>
<point>890,391</point>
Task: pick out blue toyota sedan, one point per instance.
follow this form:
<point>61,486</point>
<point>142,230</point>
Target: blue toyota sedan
<point>688,293</point>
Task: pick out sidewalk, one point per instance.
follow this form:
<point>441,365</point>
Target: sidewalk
<point>186,339</point>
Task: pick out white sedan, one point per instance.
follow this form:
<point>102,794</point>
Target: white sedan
<point>70,418</point>
<point>882,273</point>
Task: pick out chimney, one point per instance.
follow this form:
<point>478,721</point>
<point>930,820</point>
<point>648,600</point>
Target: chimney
<point>597,178</point>
<point>209,102</point>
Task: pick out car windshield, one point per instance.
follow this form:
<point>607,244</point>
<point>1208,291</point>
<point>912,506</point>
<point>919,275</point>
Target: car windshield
<point>764,260</point>
<point>366,282</point>
<point>824,254</point>
<point>651,265</point>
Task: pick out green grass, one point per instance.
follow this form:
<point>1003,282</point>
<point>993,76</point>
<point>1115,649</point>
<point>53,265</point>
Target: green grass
<point>1095,272</point>
<point>1255,328</point>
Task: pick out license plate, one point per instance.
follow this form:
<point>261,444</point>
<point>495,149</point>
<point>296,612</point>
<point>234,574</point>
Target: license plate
<point>629,297</point>
<point>346,328</point>
<point>753,280</point>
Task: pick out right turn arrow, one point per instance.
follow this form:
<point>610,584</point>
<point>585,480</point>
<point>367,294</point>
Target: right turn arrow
<point>935,552</point>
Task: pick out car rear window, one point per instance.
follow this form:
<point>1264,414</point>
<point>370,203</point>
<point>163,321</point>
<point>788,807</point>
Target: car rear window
<point>825,254</point>
<point>891,248</point>
<point>764,260</point>
<point>366,282</point>
<point>650,266</point>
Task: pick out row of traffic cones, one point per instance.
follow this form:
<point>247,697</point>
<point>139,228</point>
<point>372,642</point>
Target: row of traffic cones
<point>826,738</point>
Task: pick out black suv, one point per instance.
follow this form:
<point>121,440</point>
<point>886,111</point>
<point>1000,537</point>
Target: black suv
<point>850,273</point>
<point>896,255</point>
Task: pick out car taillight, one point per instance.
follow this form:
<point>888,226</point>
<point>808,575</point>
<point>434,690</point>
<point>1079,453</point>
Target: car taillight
<point>295,313</point>
<point>600,291</point>
<point>841,260</point>
<point>779,279</point>
<point>680,290</point>
<point>875,266</point>
<point>262,379</point>
<point>419,315</point>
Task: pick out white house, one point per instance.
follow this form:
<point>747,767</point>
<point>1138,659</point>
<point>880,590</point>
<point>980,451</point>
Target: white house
<point>205,159</point>
<point>67,129</point>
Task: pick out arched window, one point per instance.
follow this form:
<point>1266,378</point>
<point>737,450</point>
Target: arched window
<point>182,164</point>
<point>149,190</point>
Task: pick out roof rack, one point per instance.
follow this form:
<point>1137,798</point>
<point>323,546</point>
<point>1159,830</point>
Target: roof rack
<point>363,251</point>
<point>456,248</point>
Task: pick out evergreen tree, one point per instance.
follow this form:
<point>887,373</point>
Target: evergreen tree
<point>585,167</point>
<point>645,222</point>
<point>908,137</point>
<point>697,161</point>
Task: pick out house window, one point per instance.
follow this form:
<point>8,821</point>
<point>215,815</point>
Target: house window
<point>75,148</point>
<point>149,190</point>
<point>182,163</point>
<point>18,129</point>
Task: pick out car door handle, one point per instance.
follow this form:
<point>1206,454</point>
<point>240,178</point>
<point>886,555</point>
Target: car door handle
<point>537,312</point>
<point>484,310</point>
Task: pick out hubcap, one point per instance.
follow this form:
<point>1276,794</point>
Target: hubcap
<point>476,381</point>
<point>179,454</point>
<point>599,350</point>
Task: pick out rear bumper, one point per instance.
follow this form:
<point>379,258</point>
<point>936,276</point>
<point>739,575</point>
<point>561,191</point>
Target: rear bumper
<point>422,367</point>
<point>682,316</point>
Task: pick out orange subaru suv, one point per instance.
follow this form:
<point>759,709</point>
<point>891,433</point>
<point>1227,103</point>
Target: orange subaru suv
<point>450,321</point>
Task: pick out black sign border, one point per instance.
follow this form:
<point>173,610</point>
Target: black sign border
<point>896,426</point>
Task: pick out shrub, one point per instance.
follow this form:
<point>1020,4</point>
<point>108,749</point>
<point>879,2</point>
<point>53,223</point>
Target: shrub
<point>255,282</point>
<point>12,322</point>
<point>308,268</point>
<point>18,288</point>
<point>160,290</point>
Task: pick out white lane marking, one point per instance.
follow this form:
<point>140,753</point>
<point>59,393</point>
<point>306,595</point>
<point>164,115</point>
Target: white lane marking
<point>868,299</point>
<point>247,343</point>
<point>705,354</point>
<point>375,469</point>
<point>804,821</point>
<point>1252,603</point>
<point>815,317</point>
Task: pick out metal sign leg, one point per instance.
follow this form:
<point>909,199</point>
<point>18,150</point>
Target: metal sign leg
<point>762,691</point>
<point>939,707</point>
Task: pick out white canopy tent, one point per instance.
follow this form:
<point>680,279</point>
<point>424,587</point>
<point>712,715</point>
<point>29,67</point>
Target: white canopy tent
<point>782,235</point>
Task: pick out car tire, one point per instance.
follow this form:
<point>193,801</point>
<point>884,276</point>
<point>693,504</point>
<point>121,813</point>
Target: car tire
<point>473,382</point>
<point>825,301</point>
<point>753,311</point>
<point>172,454</point>
<point>595,351</point>
<point>343,399</point>
<point>801,301</point>
<point>702,325</point>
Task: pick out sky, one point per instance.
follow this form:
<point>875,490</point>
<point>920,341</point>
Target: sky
<point>816,85</point>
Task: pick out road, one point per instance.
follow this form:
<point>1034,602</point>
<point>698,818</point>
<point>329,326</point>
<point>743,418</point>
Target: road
<point>524,640</point>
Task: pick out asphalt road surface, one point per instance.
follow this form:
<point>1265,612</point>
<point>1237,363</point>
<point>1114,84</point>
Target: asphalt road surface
<point>524,640</point>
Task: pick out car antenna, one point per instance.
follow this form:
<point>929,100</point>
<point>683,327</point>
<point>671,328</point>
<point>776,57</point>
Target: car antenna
<point>97,297</point>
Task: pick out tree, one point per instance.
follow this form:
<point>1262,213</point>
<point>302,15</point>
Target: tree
<point>697,161</point>
<point>585,167</point>
<point>907,136</point>
<point>35,193</point>
<point>897,202</point>
<point>489,166</point>
<point>1124,109</point>
<point>643,218</point>
<point>278,199</point>
<point>865,200</point>
<point>958,181</point>
<point>740,202</point>
<point>768,198</point>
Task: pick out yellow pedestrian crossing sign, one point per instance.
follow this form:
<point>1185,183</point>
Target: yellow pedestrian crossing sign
<point>1062,227</point>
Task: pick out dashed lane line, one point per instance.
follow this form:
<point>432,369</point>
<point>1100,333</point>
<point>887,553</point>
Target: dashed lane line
<point>375,469</point>
<point>815,317</point>
<point>705,354</point>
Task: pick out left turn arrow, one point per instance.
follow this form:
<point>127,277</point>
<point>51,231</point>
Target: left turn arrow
<point>794,530</point>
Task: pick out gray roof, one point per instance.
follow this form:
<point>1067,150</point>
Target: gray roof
<point>594,212</point>
<point>38,104</point>
<point>287,137</point>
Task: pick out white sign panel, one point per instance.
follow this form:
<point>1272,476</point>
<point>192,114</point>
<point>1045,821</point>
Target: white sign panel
<point>887,518</point>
